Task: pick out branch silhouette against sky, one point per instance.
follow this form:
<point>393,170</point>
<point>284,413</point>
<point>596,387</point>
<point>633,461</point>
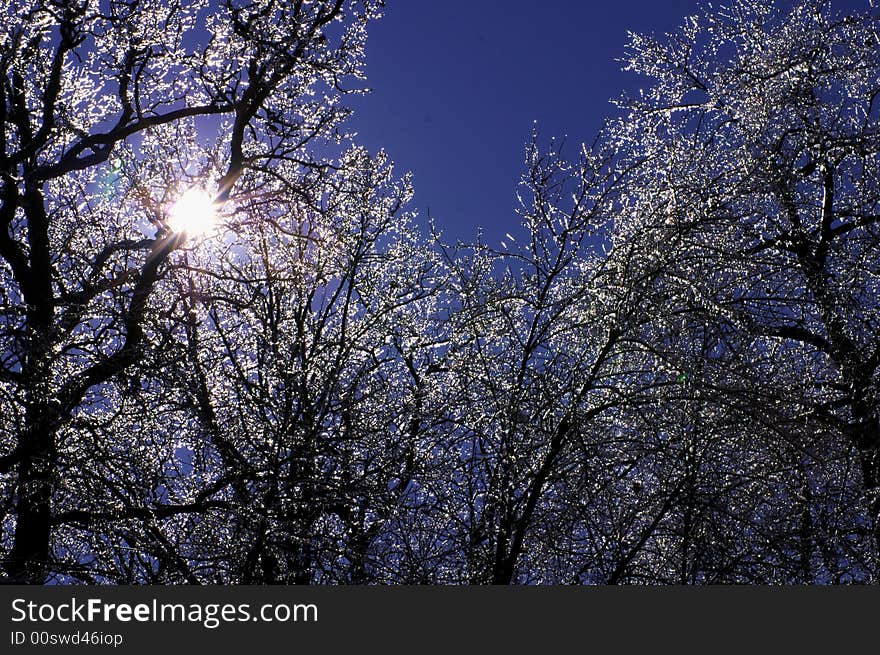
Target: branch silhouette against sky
<point>577,295</point>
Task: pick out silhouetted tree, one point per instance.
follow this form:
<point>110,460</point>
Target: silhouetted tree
<point>100,109</point>
<point>755,196</point>
<point>228,356</point>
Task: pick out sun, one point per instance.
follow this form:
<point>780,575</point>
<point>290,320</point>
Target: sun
<point>194,213</point>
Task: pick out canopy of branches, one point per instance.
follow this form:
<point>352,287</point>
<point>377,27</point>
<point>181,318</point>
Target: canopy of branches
<point>668,374</point>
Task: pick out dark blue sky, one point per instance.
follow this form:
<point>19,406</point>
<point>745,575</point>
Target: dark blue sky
<point>457,85</point>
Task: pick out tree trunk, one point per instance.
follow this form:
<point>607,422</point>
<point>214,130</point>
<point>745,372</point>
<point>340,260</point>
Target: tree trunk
<point>28,563</point>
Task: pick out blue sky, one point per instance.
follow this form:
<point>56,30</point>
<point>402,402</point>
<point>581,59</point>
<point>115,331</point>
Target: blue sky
<point>457,85</point>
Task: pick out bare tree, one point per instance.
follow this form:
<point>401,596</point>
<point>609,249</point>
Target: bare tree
<point>757,199</point>
<point>305,373</point>
<point>539,363</point>
<point>90,91</point>
<point>228,356</point>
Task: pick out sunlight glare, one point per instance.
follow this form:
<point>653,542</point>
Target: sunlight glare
<point>194,213</point>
